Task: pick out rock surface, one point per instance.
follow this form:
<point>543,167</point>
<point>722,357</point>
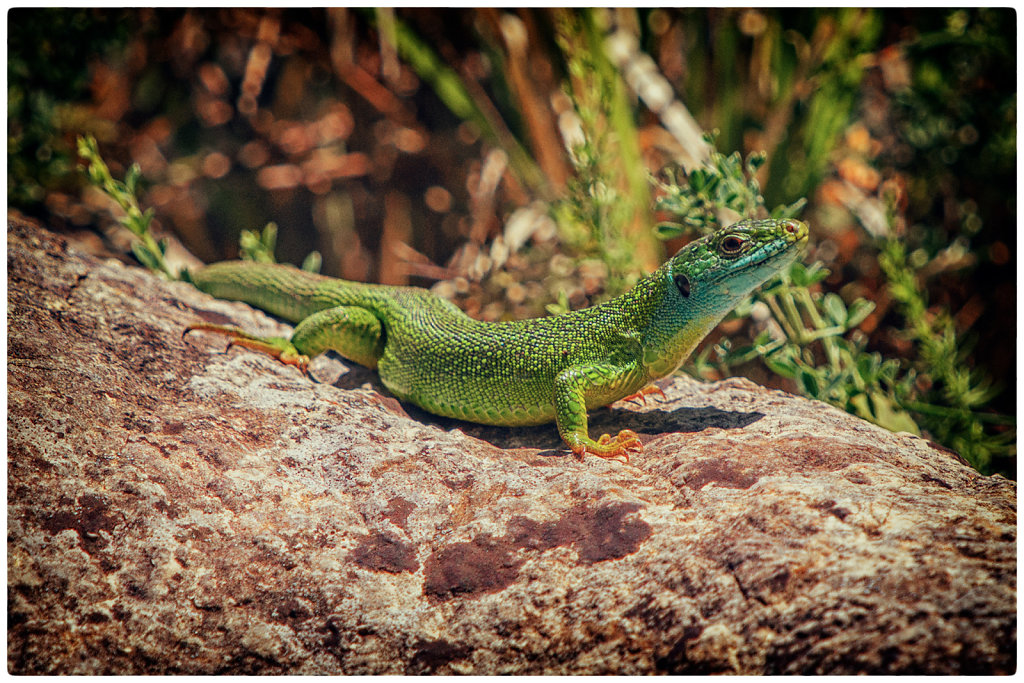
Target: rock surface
<point>175,508</point>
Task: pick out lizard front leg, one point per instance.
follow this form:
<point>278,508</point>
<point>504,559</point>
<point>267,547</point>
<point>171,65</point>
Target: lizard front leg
<point>572,388</point>
<point>354,332</point>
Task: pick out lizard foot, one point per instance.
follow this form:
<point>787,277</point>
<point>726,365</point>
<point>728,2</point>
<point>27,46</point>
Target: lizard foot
<point>642,394</point>
<point>277,347</point>
<point>609,448</point>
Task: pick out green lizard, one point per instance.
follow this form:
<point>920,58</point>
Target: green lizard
<point>523,372</point>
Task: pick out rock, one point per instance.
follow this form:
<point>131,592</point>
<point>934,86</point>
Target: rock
<point>175,508</point>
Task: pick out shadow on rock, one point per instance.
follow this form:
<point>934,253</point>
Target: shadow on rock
<point>604,420</point>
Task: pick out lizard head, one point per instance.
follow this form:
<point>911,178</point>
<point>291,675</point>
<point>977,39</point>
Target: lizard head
<point>728,264</point>
<point>707,278</point>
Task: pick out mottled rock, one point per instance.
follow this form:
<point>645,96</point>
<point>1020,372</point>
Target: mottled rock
<point>174,507</point>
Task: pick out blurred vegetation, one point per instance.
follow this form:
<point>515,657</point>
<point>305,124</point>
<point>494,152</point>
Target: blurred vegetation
<point>504,157</point>
<point>48,56</point>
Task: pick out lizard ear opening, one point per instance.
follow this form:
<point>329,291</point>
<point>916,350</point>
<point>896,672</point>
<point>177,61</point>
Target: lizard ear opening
<point>682,284</point>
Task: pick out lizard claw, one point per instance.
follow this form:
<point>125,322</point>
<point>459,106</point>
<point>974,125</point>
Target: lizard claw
<point>642,394</point>
<point>611,449</point>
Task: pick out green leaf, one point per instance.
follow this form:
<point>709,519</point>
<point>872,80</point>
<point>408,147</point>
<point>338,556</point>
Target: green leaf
<point>763,338</point>
<point>701,364</point>
<point>781,365</point>
<point>147,217</point>
<point>806,276</point>
<point>893,418</point>
<point>798,274</point>
<point>698,179</point>
<point>835,308</point>
<point>667,230</point>
<point>131,178</point>
<point>755,161</point>
<point>86,144</point>
<point>867,366</point>
<point>859,310</point>
<point>862,407</point>
<point>561,307</point>
<point>269,237</point>
<point>816,273</point>
<point>838,388</point>
<point>95,175</point>
<point>889,370</point>
<point>790,210</point>
<point>145,256</point>
<point>132,225</point>
<point>312,262</point>
<point>744,354</point>
<point>248,242</point>
<point>744,307</point>
<point>258,247</point>
<point>808,382</point>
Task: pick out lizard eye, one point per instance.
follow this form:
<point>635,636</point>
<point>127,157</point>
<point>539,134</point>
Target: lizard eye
<point>683,284</point>
<point>732,245</point>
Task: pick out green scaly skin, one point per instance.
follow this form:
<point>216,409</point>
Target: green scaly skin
<point>524,372</point>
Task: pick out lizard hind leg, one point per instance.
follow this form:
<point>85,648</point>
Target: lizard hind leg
<point>278,347</point>
<point>353,332</point>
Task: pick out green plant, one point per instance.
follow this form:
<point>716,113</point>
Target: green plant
<point>608,197</point>
<point>949,397</point>
<point>148,250</point>
<point>722,191</point>
<point>848,376</point>
<point>260,247</point>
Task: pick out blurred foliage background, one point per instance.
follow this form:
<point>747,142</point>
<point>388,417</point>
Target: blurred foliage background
<point>503,158</point>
